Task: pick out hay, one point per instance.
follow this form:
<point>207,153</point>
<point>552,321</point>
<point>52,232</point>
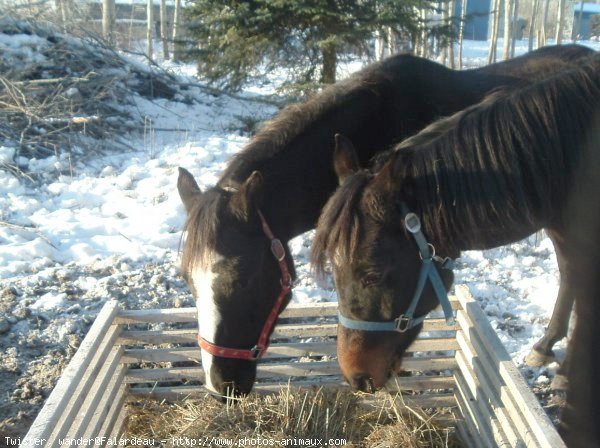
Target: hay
<point>300,417</point>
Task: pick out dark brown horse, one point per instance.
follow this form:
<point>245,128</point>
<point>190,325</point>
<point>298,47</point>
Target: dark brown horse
<point>285,173</point>
<point>493,174</point>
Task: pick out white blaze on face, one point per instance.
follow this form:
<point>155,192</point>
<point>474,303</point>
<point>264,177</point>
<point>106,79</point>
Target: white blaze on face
<point>208,313</point>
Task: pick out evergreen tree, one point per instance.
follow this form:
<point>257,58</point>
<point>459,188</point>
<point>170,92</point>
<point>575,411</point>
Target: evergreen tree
<point>239,40</point>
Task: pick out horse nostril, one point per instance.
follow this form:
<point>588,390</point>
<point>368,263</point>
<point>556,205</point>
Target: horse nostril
<point>363,383</point>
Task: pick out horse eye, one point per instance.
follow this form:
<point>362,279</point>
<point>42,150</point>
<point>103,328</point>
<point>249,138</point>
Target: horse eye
<point>372,278</point>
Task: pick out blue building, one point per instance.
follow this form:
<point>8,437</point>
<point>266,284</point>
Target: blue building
<point>478,19</point>
<point>582,13</point>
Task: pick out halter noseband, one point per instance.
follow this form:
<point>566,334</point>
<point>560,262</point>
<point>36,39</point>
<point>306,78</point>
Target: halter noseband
<point>428,271</point>
<point>261,346</point>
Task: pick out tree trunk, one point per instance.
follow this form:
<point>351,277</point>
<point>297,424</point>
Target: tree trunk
<point>164,33</point>
<point>508,5</point>
<point>560,21</point>
<point>533,23</point>
<point>494,36</point>
<point>329,63</point>
<point>575,35</point>
<point>451,7</point>
<point>177,35</point>
<point>150,20</point>
<point>543,36</point>
<point>423,39</point>
<point>461,32</point>
<point>515,30</point>
<point>108,20</point>
<point>444,47</point>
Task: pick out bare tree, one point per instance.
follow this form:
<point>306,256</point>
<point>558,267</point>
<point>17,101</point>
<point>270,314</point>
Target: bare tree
<point>164,33</point>
<point>542,32</point>
<point>108,20</point>
<point>515,30</point>
<point>533,23</point>
<point>451,7</point>
<point>444,49</point>
<point>508,26</point>
<point>577,27</point>
<point>461,31</point>
<point>150,20</point>
<point>177,35</point>
<point>494,36</point>
<point>423,38</point>
<point>560,21</point>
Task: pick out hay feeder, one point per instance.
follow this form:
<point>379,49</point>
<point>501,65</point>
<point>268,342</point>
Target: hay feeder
<point>464,369</point>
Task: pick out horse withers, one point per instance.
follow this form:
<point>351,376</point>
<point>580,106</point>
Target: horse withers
<point>493,174</point>
<point>282,179</point>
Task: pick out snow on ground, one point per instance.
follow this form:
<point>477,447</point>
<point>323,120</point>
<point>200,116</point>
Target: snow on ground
<point>110,227</point>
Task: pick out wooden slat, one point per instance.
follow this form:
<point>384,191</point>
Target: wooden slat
<point>114,393</point>
<point>312,310</point>
<point>119,425</point>
<point>179,315</point>
<point>188,336</point>
<point>482,407</point>
<point>474,439</point>
<point>96,368</point>
<point>111,421</point>
<point>528,404</point>
<point>472,369</point>
<point>482,428</point>
<point>277,350</point>
<point>324,309</point>
<point>136,376</point>
<point>174,354</point>
<point>265,373</point>
<point>91,398</point>
<point>420,383</point>
<point>65,387</point>
<point>429,363</point>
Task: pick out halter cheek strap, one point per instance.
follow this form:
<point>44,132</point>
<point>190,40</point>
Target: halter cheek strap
<point>261,346</point>
<point>428,271</point>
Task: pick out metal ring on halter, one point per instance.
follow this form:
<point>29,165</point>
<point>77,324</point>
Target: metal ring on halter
<point>432,256</point>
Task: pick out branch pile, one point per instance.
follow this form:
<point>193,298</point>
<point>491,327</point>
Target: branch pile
<point>60,93</point>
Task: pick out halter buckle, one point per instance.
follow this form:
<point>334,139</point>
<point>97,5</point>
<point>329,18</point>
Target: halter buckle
<point>412,223</point>
<point>257,352</point>
<point>287,283</point>
<point>277,250</point>
<point>403,323</point>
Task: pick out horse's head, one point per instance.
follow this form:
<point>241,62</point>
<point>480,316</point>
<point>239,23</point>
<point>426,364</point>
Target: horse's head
<point>238,274</point>
<point>376,265</point>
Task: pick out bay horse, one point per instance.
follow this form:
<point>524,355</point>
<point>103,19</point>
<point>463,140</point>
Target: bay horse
<point>235,257</point>
<point>519,161</point>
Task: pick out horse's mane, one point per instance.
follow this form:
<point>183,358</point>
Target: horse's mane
<point>508,160</point>
<point>200,230</point>
<point>339,226</point>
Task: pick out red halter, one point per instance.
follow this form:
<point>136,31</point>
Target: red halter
<point>261,346</point>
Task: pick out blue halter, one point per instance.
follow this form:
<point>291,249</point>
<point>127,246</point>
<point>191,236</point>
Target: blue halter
<point>428,271</point>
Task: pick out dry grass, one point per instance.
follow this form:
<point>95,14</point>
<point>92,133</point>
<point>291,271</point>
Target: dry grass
<point>292,414</point>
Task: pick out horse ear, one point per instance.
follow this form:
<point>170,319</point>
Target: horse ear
<point>345,159</point>
<point>249,196</point>
<point>188,189</point>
